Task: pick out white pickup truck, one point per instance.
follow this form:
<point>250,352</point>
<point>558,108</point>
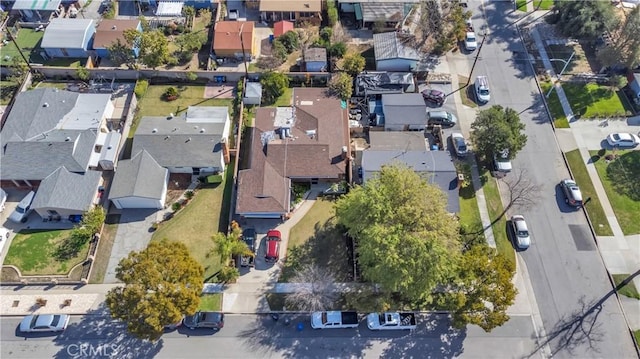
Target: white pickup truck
<point>334,319</point>
<point>391,321</point>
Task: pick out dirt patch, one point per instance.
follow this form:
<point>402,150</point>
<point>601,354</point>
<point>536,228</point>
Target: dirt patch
<point>218,91</point>
<point>178,184</point>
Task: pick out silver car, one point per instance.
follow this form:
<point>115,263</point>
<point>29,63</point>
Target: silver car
<point>459,144</point>
<point>44,323</point>
<point>520,231</point>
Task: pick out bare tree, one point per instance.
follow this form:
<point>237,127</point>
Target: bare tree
<point>522,192</point>
<point>315,290</point>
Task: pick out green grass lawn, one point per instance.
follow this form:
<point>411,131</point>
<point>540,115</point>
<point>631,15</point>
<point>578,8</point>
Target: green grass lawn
<point>594,208</point>
<point>626,209</point>
<point>629,290</point>
<point>7,90</point>
<point>315,239</point>
<point>495,209</point>
<point>195,224</point>
<point>57,85</point>
<point>593,100</point>
<point>521,5</point>
<point>543,4</point>
<point>32,251</point>
<point>636,334</point>
<point>559,119</point>
<point>211,302</point>
<point>469,214</point>
<point>29,43</point>
<point>466,92</point>
<point>285,99</point>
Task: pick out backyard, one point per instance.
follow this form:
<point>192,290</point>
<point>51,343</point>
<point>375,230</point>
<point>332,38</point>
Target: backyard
<point>28,41</point>
<point>620,181</point>
<point>594,208</point>
<point>7,89</point>
<point>33,252</point>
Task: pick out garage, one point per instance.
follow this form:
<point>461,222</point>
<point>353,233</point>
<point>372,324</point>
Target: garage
<point>137,202</point>
<point>139,183</point>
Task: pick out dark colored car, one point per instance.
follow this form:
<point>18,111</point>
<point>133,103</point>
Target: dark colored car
<point>443,118</point>
<point>213,320</point>
<point>572,194</point>
<point>272,253</point>
<point>434,96</point>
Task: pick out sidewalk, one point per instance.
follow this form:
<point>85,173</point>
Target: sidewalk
<point>619,252</point>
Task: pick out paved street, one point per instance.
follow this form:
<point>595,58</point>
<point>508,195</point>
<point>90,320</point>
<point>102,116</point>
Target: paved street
<point>580,315</point>
<point>251,336</point>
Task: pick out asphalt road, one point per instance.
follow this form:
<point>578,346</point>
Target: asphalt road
<point>251,336</point>
<point>581,317</point>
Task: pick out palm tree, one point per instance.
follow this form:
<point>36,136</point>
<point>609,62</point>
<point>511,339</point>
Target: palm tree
<point>229,245</point>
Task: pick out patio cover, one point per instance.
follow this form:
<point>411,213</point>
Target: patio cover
<point>169,8</point>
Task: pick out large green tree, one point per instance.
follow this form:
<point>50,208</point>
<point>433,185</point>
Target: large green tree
<point>341,85</point>
<point>497,129</point>
<point>407,242</point>
<point>625,47</point>
<point>191,41</point>
<point>353,64</point>
<point>154,48</point>
<point>162,283</point>
<point>584,19</point>
<point>273,86</point>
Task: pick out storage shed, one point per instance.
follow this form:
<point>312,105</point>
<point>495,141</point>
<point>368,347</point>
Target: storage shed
<point>253,94</point>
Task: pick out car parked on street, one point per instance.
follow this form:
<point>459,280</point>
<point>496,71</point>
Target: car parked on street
<point>212,320</point>
<point>434,96</point>
<point>520,231</point>
<point>272,253</point>
<point>623,140</point>
<point>44,323</point>
<point>501,162</point>
<point>459,144</point>
<point>571,191</point>
<point>470,42</point>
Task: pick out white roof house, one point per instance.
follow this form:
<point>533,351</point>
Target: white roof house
<point>67,33</point>
<point>169,8</point>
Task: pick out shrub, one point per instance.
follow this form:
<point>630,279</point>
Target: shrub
<point>191,76</point>
<point>214,179</point>
<point>171,94</point>
<point>141,88</point>
<point>189,194</point>
<point>332,12</point>
<point>228,274</point>
<point>176,206</point>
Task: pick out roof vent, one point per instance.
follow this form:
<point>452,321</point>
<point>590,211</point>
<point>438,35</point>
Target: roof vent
<point>46,104</point>
<point>67,139</point>
<point>188,139</point>
<point>154,130</point>
<point>166,138</point>
<point>311,133</point>
<point>114,27</point>
<point>171,115</point>
<point>202,130</point>
<point>174,129</point>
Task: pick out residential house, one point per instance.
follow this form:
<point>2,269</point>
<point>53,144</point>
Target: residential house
<point>253,94</point>
<point>378,83</point>
<point>315,59</point>
<point>194,143</point>
<point>58,139</point>
<point>282,27</point>
<point>369,14</point>
<point>306,143</point>
<point>309,11</point>
<point>110,31</point>
<point>139,183</point>
<point>394,51</point>
<point>404,112</point>
<point>70,38</point>
<point>436,167</point>
<point>37,10</point>
<point>233,38</point>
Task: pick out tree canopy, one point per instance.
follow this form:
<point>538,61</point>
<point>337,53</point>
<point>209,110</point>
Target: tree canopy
<point>162,283</point>
<point>353,64</point>
<point>584,19</point>
<point>497,129</point>
<point>625,47</point>
<point>154,48</point>
<point>407,242</point>
<point>273,86</point>
<point>341,84</point>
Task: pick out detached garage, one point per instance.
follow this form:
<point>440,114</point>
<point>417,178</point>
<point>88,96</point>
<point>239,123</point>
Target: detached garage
<point>139,183</point>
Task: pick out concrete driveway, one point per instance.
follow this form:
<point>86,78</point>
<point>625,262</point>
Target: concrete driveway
<point>133,235</point>
<point>592,134</point>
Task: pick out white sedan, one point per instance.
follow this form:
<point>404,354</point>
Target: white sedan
<point>44,323</point>
<point>623,140</point>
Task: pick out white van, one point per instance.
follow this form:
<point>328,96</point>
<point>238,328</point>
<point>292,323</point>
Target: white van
<point>21,213</point>
<point>482,89</point>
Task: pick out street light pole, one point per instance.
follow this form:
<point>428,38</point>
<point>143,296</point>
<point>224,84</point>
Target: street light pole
<point>566,64</point>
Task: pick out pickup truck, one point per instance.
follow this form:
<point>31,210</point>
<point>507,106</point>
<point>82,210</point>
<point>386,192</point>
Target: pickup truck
<point>391,321</point>
<point>334,319</point>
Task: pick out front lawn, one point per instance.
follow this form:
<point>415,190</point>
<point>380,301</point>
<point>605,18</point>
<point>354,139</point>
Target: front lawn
<point>557,113</point>
<point>628,290</point>
<point>32,251</point>
<point>103,254</point>
<point>594,208</point>
<point>620,181</point>
<point>497,216</point>
<point>211,302</point>
<point>469,214</point>
<point>195,224</point>
<point>593,100</point>
<point>542,4</point>
<point>316,239</point>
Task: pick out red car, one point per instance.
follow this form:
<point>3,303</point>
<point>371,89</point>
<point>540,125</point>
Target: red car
<point>273,246</point>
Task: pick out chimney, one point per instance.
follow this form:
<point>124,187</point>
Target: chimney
<point>225,151</point>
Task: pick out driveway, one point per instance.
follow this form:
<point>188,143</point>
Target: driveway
<point>592,134</point>
<point>133,235</point>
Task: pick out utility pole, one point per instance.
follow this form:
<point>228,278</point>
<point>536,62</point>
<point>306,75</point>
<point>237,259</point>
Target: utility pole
<point>13,39</point>
<point>244,60</point>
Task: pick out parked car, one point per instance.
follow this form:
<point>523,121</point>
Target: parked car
<point>272,253</point>
<point>520,231</point>
<point>501,161</point>
<point>434,96</point>
<point>571,191</point>
<point>459,144</point>
<point>483,94</point>
<point>334,319</point>
<point>44,323</point>
<point>3,199</point>
<point>21,213</point>
<point>623,140</point>
<point>213,320</point>
<point>248,237</point>
<point>442,118</point>
<point>391,321</point>
<point>470,42</point>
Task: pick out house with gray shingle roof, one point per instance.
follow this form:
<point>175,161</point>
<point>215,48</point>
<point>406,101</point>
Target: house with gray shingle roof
<point>394,51</point>
<point>139,183</point>
<point>404,112</point>
<point>194,142</point>
<point>70,38</point>
<point>63,193</point>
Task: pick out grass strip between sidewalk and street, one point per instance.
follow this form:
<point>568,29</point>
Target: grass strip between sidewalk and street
<point>629,290</point>
<point>594,207</point>
<point>495,209</point>
<point>553,102</point>
<point>210,302</point>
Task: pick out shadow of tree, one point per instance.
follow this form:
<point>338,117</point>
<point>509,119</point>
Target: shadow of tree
<point>98,335</point>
